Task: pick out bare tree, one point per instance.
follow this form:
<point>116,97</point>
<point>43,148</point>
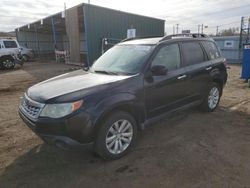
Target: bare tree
<point>230,32</point>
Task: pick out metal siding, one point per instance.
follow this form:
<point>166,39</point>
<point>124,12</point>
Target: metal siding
<point>72,27</point>
<point>107,23</point>
<point>230,53</point>
<point>29,39</point>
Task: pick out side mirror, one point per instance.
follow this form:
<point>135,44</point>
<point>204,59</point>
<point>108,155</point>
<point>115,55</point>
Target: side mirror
<point>159,70</point>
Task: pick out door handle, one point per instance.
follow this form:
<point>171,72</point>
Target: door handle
<point>208,68</point>
<point>181,77</point>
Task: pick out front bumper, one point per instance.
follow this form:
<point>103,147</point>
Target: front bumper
<point>65,142</point>
<point>75,132</point>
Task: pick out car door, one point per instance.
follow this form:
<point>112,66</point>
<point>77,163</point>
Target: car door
<point>215,59</point>
<point>198,68</point>
<point>166,92</point>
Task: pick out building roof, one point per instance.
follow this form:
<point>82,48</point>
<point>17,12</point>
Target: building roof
<point>79,5</point>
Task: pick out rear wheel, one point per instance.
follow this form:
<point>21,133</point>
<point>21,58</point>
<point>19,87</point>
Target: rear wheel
<point>26,58</point>
<point>117,136</point>
<point>212,98</point>
<point>7,63</point>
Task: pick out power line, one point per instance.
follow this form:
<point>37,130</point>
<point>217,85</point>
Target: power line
<point>217,12</point>
<point>201,6</point>
<point>214,26</point>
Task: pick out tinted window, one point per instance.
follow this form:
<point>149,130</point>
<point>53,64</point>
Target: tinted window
<point>169,56</point>
<point>10,44</point>
<point>192,53</point>
<point>211,49</point>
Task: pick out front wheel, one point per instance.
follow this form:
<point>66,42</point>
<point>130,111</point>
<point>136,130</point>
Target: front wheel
<point>7,63</point>
<point>117,136</point>
<point>212,98</point>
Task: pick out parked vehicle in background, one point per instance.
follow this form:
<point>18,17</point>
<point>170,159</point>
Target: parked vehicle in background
<point>135,83</point>
<point>27,53</point>
<point>10,54</point>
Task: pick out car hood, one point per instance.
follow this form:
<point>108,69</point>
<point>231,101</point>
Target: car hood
<point>69,83</point>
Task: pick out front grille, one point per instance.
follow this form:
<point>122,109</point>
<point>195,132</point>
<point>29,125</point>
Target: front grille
<point>31,108</point>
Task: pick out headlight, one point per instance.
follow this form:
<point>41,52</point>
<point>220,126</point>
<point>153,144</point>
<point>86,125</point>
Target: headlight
<point>60,110</point>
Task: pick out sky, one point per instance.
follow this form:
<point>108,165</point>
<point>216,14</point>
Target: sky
<point>187,13</point>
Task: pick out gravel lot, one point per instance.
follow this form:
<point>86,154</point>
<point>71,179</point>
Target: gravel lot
<point>189,149</point>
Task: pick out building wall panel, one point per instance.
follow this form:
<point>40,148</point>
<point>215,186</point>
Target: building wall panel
<point>107,23</point>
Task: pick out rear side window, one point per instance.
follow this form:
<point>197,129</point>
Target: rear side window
<point>168,56</point>
<point>211,49</point>
<point>10,44</point>
<point>192,53</point>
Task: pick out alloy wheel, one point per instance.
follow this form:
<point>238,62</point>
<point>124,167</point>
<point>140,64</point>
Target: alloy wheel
<point>8,63</point>
<point>119,136</point>
<point>213,97</point>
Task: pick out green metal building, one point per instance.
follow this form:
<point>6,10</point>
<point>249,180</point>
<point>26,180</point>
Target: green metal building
<point>85,31</point>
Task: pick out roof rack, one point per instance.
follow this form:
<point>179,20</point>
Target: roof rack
<point>188,35</point>
<point>128,39</point>
<point>134,38</point>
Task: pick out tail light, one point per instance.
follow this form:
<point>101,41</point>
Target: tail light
<point>225,62</point>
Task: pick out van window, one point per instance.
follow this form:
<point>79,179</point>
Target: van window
<point>192,53</point>
<point>10,44</point>
<point>211,49</point>
<point>169,56</point>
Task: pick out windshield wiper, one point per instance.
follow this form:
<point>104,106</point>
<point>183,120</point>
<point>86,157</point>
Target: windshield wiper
<point>105,72</point>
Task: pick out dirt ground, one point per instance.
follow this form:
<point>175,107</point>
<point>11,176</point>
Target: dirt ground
<point>189,149</point>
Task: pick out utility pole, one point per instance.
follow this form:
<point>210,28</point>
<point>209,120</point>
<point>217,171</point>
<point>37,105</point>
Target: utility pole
<point>248,30</point>
<point>217,30</point>
<point>177,28</point>
<point>173,29</point>
<point>199,29</point>
<point>241,32</point>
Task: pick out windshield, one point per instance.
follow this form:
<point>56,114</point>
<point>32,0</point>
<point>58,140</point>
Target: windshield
<point>10,44</point>
<point>122,59</point>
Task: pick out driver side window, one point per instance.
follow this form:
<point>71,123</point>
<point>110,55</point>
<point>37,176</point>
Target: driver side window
<point>168,56</point>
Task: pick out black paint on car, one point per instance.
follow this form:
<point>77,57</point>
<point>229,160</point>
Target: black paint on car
<point>135,83</point>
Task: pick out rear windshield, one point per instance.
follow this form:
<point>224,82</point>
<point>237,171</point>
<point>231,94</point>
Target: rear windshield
<point>10,44</point>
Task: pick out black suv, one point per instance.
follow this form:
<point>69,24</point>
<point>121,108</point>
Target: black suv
<point>133,84</point>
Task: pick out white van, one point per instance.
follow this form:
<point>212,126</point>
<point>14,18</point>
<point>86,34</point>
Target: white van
<point>9,52</point>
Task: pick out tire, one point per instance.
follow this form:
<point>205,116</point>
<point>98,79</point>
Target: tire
<point>1,64</point>
<point>117,136</point>
<point>26,58</point>
<point>212,98</point>
<point>7,63</point>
